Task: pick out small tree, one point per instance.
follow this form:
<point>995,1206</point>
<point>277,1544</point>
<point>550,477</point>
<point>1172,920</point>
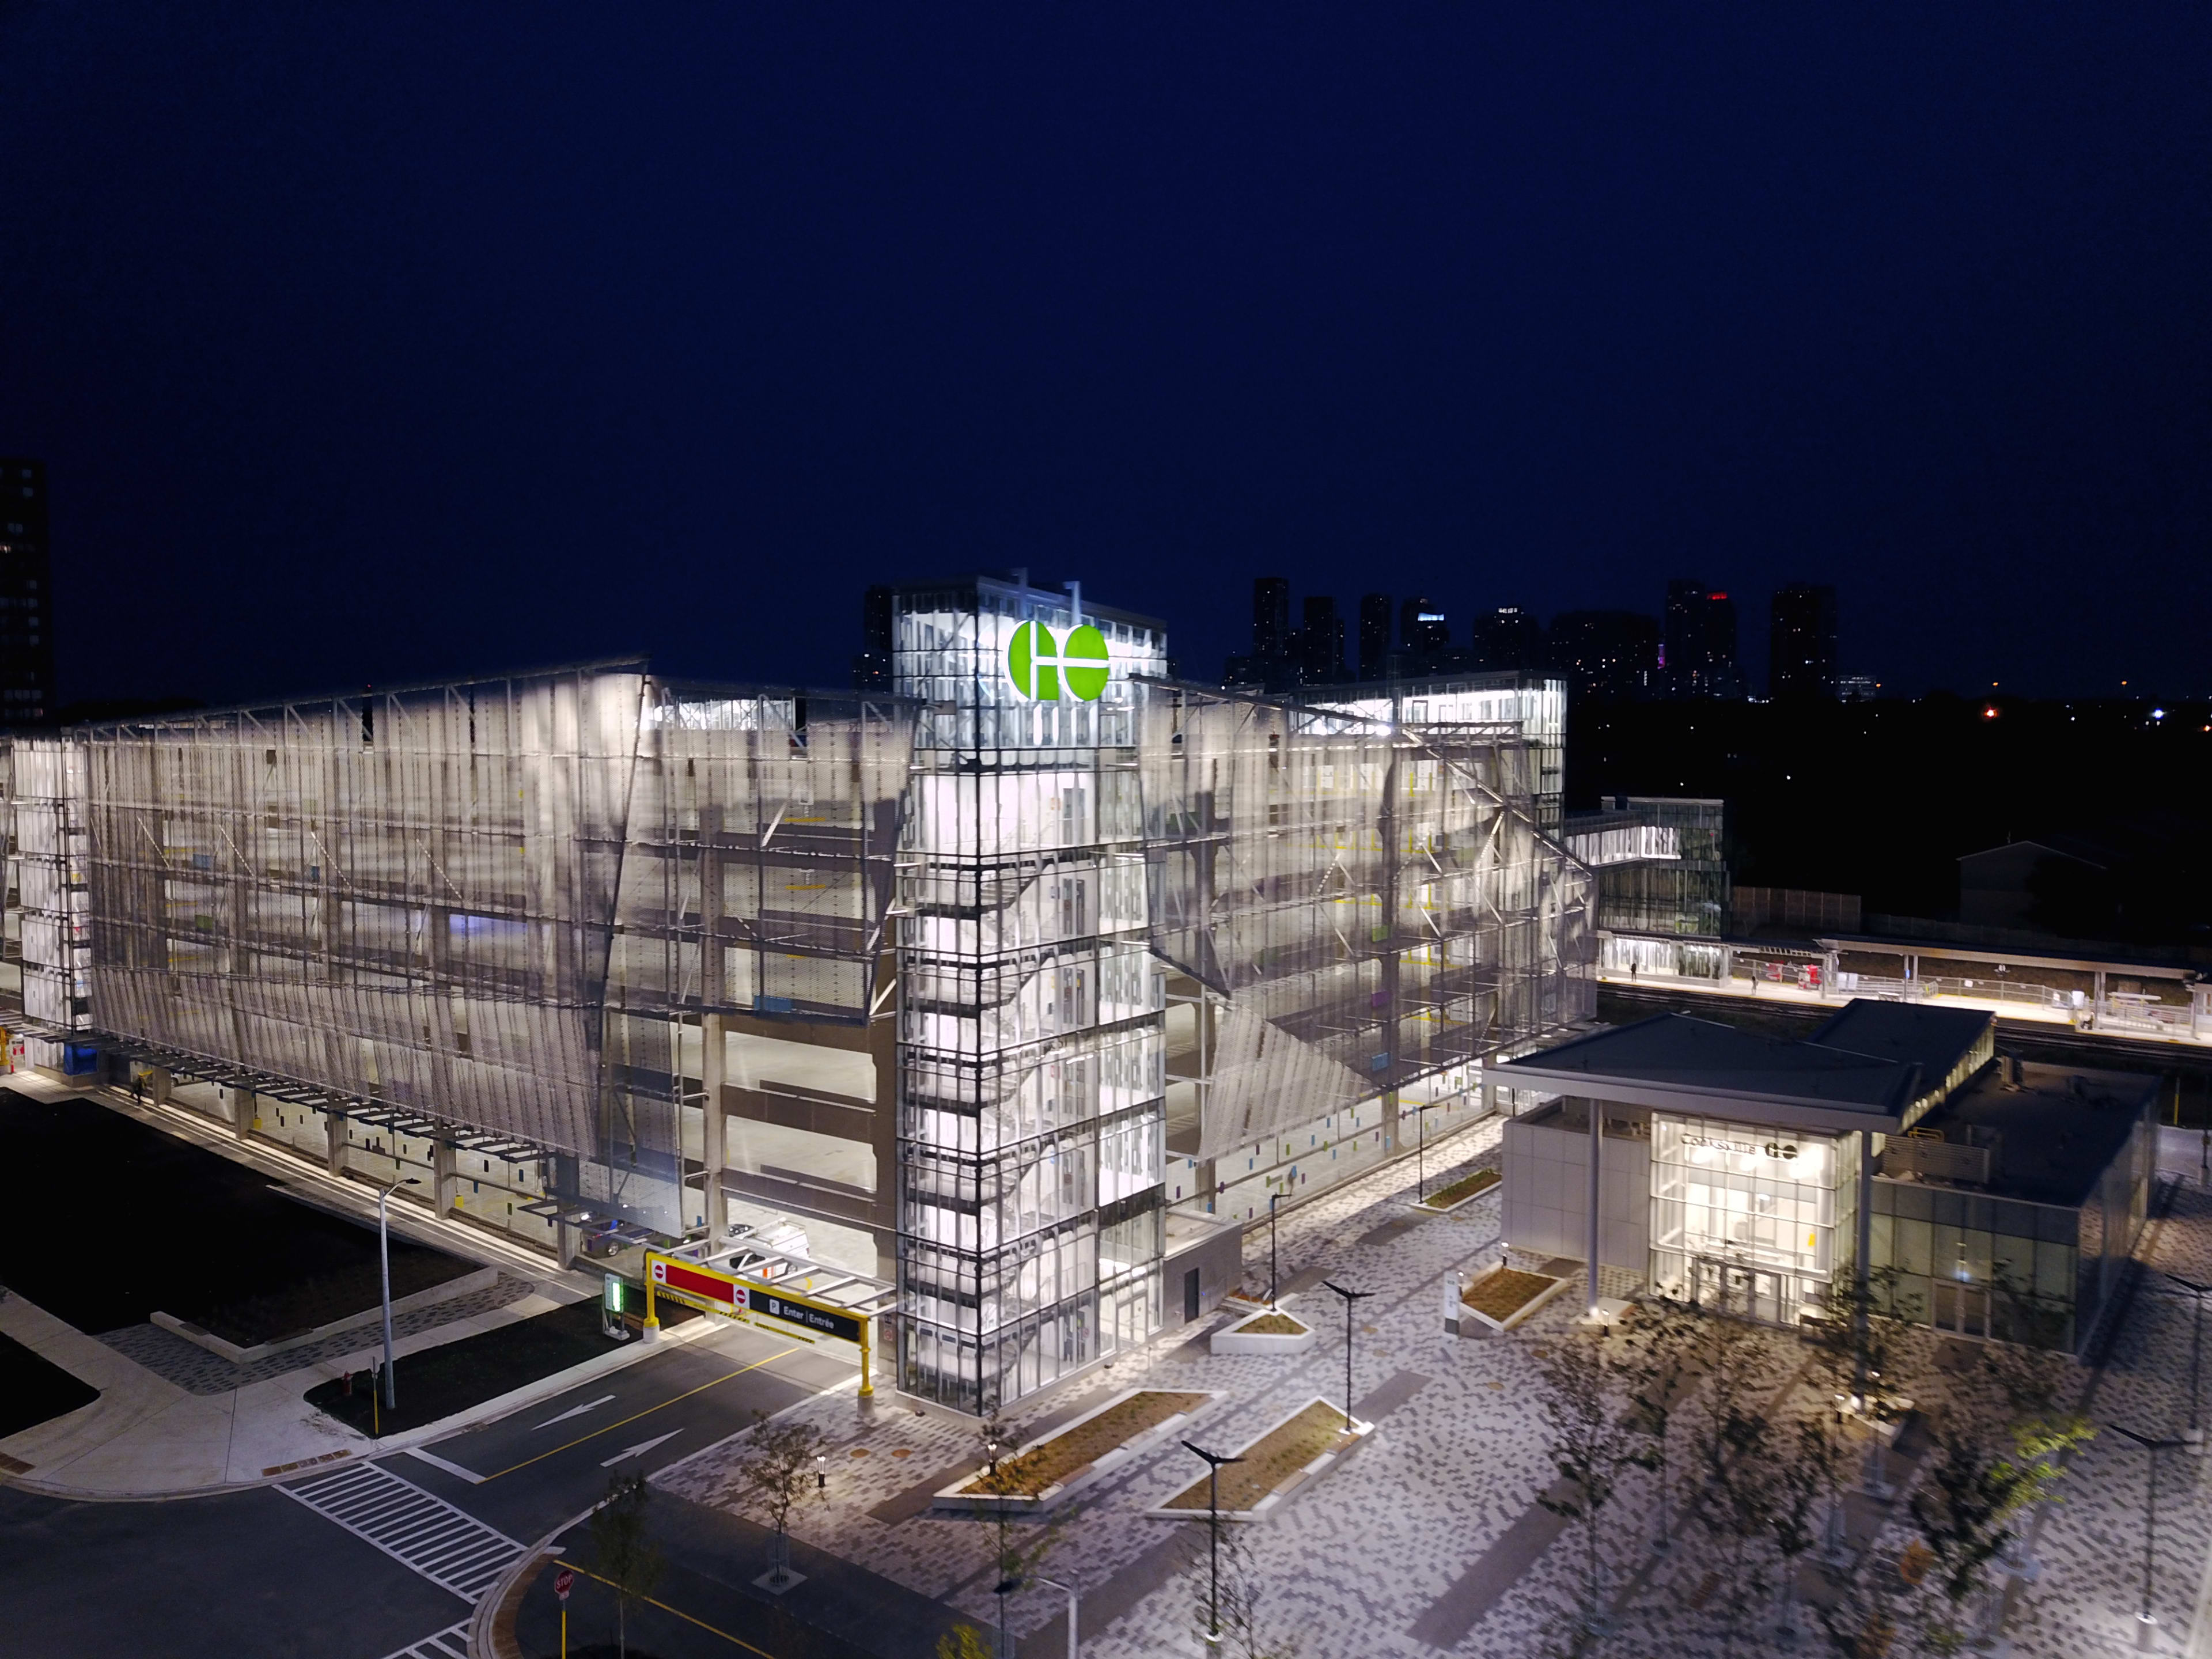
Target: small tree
<point>627,1558</point>
<point>1593,1433</point>
<point>777,1472</point>
<point>1732,1448</point>
<point>1861,1340</point>
<point>1019,1547</point>
<point>1805,1480</point>
<point>1981,1479</point>
<point>1244,1633</point>
<point>1660,1367</point>
<point>963,1641</point>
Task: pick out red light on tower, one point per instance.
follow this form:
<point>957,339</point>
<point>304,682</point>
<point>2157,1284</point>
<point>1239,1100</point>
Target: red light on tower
<point>1990,712</point>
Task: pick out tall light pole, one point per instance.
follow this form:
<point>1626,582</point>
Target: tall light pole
<point>1069,1589</point>
<point>2197,1294</point>
<point>2151,1449</point>
<point>384,1267</point>
<point>1421,1157</point>
<point>1274,1198</point>
<point>1349,1297</point>
<point>1213,1462</point>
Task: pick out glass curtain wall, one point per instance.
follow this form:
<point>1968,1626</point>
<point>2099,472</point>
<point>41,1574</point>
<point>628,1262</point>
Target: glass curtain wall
<point>1744,1217</point>
<point>1032,1039</point>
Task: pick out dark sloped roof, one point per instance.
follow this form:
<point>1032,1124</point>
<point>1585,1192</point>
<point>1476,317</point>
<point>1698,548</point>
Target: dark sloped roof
<point>1934,1039</point>
<point>1681,1051</point>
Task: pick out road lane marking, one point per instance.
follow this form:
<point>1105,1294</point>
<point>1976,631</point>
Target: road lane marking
<point>448,1546</point>
<point>642,1447</point>
<point>452,1644</point>
<point>573,1411</point>
<point>735,1641</point>
<point>673,1400</point>
<point>438,1462</point>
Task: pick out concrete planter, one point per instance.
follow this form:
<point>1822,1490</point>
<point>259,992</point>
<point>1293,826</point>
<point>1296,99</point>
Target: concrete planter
<point>1423,1207</point>
<point>1287,1489</point>
<point>953,1498</point>
<point>1241,1339</point>
<point>1472,1322</point>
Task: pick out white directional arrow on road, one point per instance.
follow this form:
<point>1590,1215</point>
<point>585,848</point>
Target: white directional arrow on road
<point>575,1411</point>
<point>641,1446</point>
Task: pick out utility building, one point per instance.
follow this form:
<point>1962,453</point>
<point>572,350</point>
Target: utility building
<point>1013,988</point>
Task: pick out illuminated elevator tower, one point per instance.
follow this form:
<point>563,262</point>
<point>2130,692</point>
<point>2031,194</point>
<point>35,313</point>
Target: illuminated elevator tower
<point>1032,1039</point>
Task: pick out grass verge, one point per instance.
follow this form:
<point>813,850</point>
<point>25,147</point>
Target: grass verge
<point>1271,1460</point>
<point>1052,1461</point>
<point>1466,1187</point>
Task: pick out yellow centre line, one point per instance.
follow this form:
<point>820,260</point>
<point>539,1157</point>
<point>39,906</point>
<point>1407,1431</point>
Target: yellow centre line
<point>610,1427</point>
<point>737,1640</point>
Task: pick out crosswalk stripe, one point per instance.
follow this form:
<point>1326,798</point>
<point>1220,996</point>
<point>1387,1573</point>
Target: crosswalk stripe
<point>452,1644</point>
<point>448,1546</point>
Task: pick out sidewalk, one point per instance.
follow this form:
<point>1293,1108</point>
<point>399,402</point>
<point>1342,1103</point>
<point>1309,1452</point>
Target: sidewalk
<point>173,1420</point>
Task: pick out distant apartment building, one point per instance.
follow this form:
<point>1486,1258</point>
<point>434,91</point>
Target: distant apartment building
<point>1609,655</point>
<point>1508,638</point>
<point>1700,658</point>
<point>27,632</point>
<point>1801,643</point>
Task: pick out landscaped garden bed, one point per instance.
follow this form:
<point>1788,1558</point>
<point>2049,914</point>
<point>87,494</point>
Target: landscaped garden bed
<point>1503,1297</point>
<point>1301,1448</point>
<point>1466,1189</point>
<point>1269,1331</point>
<point>1072,1457</point>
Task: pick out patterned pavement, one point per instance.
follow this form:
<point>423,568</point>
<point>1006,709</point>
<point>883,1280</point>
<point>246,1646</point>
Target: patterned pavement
<point>1430,1538</point>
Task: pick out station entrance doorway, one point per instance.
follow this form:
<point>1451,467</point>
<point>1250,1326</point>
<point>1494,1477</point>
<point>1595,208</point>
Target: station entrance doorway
<point>1765,1295</point>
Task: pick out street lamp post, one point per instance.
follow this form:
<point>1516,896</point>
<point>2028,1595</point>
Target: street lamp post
<point>2197,1294</point>
<point>1274,1198</point>
<point>1069,1590</point>
<point>384,1269</point>
<point>1349,1297</point>
<point>1421,1157</point>
<point>2151,1449</point>
<point>1213,1462</point>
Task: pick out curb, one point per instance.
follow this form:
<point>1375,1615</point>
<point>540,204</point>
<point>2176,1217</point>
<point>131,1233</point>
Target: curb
<point>366,1451</point>
<point>491,1625</point>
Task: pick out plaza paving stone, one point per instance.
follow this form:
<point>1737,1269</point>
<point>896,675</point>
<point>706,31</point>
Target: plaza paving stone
<point>1384,1554</point>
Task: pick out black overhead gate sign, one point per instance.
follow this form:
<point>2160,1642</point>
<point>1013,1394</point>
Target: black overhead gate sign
<point>807,1315</point>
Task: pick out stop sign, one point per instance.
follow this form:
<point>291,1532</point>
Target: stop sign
<point>563,1582</point>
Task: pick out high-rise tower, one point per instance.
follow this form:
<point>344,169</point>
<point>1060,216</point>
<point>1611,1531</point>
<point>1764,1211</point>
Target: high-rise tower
<point>27,632</point>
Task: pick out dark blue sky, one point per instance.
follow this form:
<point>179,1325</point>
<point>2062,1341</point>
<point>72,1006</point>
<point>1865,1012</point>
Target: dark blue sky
<point>377,343</point>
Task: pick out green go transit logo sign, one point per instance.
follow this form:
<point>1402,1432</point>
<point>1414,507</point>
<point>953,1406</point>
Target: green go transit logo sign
<point>1041,667</point>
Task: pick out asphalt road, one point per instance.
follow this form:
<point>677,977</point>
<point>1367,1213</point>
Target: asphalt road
<point>539,1467</point>
<point>254,1572</point>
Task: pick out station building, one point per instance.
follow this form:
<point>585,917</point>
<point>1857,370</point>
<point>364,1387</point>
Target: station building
<point>1757,1174</point>
<point>1016,988</point>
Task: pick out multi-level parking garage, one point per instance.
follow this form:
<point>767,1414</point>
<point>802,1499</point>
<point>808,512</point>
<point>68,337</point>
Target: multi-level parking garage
<point>1015,988</point>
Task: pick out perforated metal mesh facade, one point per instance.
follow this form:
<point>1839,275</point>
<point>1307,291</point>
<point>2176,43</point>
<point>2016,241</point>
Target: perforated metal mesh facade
<point>1375,901</point>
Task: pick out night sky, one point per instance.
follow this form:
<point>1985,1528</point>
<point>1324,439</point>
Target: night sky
<point>375,344</point>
